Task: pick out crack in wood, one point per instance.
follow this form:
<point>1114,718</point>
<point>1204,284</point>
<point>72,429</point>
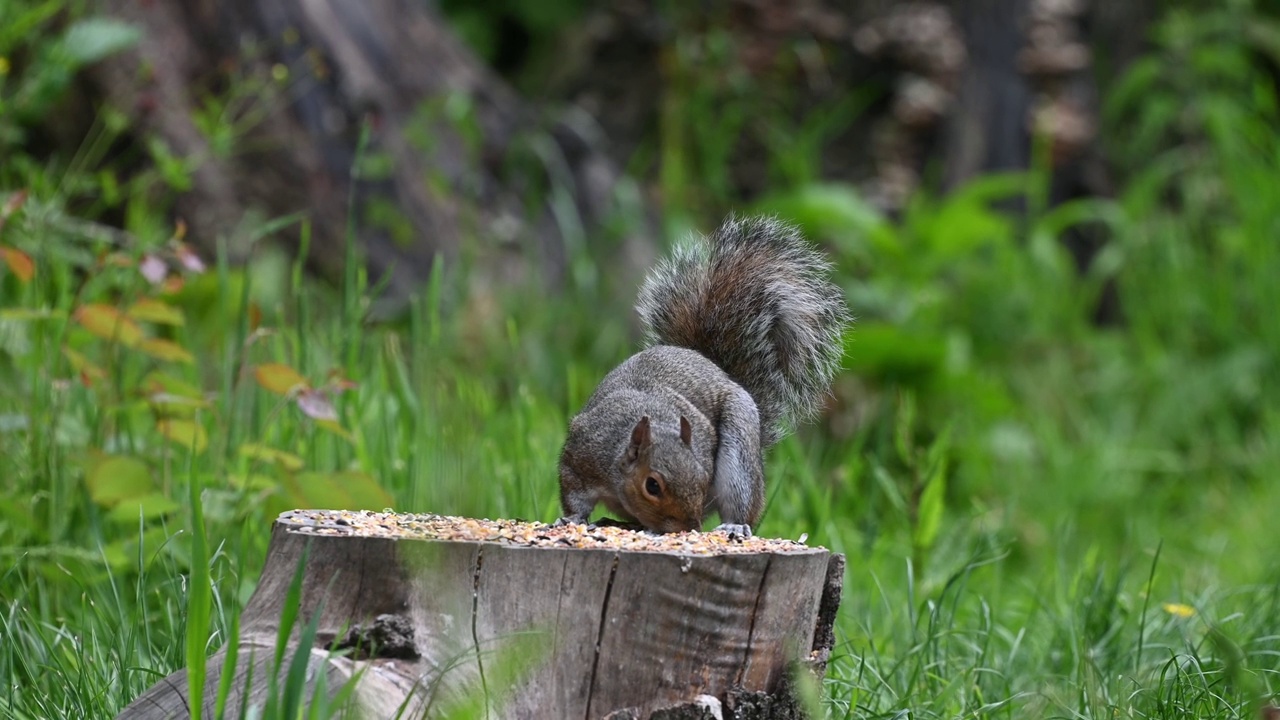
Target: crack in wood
<point>555,636</point>
<point>358,596</point>
<point>186,705</point>
<point>475,637</point>
<point>604,618</point>
<point>751,627</point>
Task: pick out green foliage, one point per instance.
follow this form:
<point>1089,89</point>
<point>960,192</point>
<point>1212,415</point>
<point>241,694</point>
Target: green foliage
<point>1044,517</point>
<point>199,598</point>
<point>512,34</point>
<point>39,57</point>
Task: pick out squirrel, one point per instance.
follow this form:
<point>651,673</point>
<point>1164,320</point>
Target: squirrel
<point>744,333</point>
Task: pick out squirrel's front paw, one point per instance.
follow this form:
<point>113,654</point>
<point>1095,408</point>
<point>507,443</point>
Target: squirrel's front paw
<point>734,530</point>
<point>568,520</point>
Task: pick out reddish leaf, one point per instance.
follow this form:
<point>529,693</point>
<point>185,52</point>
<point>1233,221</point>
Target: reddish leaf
<point>87,370</point>
<point>339,382</point>
<point>166,350</point>
<point>11,205</point>
<point>109,323</point>
<point>287,461</point>
<point>172,284</point>
<point>19,263</point>
<point>185,433</point>
<point>279,379</point>
<point>156,311</point>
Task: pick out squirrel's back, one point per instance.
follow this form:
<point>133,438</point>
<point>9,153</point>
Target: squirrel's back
<point>757,300</point>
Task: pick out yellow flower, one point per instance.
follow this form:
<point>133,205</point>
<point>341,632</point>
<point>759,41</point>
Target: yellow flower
<point>1179,610</point>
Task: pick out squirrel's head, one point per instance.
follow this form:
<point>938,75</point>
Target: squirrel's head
<point>666,486</point>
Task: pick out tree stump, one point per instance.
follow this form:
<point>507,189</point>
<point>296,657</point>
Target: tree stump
<point>436,616</point>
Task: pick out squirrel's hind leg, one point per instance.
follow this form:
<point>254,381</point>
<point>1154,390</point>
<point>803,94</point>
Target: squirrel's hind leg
<point>738,486</point>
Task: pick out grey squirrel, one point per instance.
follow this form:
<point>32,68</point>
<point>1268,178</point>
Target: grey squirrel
<point>744,331</point>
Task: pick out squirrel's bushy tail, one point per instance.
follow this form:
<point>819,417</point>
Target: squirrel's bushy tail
<point>756,299</point>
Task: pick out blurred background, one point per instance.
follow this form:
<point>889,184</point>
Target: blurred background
<point>257,255</point>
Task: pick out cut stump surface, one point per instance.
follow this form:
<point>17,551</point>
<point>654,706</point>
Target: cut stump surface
<point>525,620</point>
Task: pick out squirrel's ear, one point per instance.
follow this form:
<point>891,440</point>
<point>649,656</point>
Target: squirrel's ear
<point>640,438</point>
<point>686,431</point>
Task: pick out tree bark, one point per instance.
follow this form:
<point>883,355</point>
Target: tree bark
<point>456,165</point>
<point>528,632</point>
<point>965,87</point>
<point>462,169</point>
<point>983,119</point>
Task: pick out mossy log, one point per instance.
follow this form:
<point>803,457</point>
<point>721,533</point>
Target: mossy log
<point>539,623</point>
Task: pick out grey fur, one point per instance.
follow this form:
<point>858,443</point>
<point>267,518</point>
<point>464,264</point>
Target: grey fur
<point>745,334</point>
<point>756,299</point>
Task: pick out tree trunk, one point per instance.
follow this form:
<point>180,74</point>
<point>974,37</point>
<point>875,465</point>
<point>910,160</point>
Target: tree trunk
<point>459,167</point>
<point>972,71</point>
<point>456,165</point>
<point>524,623</point>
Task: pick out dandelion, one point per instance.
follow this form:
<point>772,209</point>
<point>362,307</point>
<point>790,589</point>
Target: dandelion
<point>1179,610</point>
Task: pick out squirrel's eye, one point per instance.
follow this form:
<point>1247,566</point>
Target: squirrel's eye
<point>653,487</point>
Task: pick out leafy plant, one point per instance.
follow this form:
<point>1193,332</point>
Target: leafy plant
<point>1042,517</point>
<point>40,54</point>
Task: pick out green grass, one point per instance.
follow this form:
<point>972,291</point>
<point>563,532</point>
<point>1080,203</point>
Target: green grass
<point>1043,517</point>
<point>1039,594</point>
